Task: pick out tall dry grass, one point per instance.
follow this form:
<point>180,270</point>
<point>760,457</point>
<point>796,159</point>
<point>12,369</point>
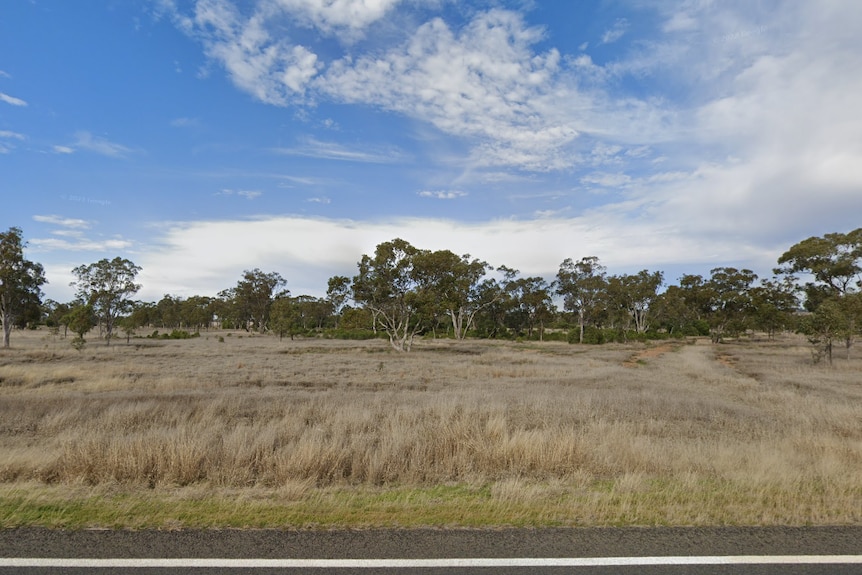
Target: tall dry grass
<point>259,412</point>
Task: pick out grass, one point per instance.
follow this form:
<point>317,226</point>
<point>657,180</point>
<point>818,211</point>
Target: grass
<point>259,432</point>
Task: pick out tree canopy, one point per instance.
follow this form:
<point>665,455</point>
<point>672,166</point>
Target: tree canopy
<point>20,283</point>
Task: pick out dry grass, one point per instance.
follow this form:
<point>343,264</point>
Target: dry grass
<point>351,433</point>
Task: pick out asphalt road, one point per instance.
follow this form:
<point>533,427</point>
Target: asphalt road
<point>550,551</point>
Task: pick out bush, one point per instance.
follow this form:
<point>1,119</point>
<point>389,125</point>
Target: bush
<point>355,334</point>
<point>175,334</point>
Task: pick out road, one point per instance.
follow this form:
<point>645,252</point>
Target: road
<point>499,552</point>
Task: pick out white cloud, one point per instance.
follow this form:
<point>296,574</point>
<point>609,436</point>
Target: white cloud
<point>247,194</point>
<point>319,200</point>
<point>312,148</point>
<point>11,135</point>
<point>616,31</point>
<point>73,223</point>
<point>328,15</point>
<point>267,66</point>
<point>12,100</point>
<point>86,141</point>
<point>442,194</point>
<point>607,180</point>
<point>80,244</point>
<point>205,257</point>
<point>483,83</point>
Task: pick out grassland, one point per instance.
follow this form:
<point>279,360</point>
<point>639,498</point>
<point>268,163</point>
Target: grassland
<point>253,431</point>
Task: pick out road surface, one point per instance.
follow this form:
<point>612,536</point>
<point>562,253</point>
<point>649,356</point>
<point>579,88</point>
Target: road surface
<point>648,551</point>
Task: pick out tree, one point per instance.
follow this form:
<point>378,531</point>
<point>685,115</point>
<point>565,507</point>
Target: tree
<point>106,286</point>
<point>81,319</point>
<point>252,297</point>
<point>20,282</point>
<point>529,301</point>
<point>635,294</point>
<point>583,287</point>
<point>835,262</point>
<point>730,302</point>
<point>338,292</point>
<point>283,317</point>
<point>451,284</point>
<point>387,285</point>
<point>774,303</point>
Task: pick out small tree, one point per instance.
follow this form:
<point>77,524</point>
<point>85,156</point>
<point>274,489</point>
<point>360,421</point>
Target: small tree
<point>20,282</point>
<point>106,286</point>
<point>80,320</point>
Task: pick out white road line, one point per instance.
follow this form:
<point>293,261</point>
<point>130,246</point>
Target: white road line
<point>439,563</point>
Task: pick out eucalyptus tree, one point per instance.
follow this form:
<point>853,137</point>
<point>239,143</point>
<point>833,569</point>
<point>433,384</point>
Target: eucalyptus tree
<point>106,286</point>
<point>20,282</point>
<point>583,286</point>
<point>248,303</point>
<point>338,294</point>
<point>451,286</point>
<point>388,285</point>
<point>834,262</point>
<point>634,294</point>
<point>730,301</point>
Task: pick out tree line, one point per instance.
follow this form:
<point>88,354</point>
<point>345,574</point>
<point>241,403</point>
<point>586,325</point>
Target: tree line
<point>400,292</point>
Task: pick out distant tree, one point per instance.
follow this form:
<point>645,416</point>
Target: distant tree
<point>388,286</point>
<point>583,286</point>
<point>634,295</point>
<point>530,302</point>
<point>20,282</point>
<point>451,285</point>
<point>338,293</point>
<point>283,317</point>
<point>774,301</point>
<point>252,297</point>
<point>835,263</point>
<point>81,319</point>
<point>107,286</point>
<point>731,305</point>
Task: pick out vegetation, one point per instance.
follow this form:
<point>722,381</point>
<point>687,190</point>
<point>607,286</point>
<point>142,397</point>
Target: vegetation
<point>20,283</point>
<point>352,433</point>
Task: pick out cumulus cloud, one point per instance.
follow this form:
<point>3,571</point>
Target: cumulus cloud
<point>483,83</point>
<point>329,15</point>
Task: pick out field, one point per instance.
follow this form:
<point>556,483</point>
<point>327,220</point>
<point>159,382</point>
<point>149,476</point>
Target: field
<point>235,430</point>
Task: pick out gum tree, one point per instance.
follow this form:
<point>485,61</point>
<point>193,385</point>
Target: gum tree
<point>20,282</point>
<point>107,287</point>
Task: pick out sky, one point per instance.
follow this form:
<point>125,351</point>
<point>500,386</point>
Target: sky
<point>201,138</point>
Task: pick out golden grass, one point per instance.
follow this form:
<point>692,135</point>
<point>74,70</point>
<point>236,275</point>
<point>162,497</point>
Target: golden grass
<point>261,432</point>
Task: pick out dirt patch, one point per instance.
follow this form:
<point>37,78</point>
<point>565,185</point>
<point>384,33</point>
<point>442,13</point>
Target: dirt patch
<point>726,359</point>
<point>649,353</point>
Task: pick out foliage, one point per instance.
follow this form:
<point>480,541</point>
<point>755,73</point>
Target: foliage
<point>106,286</point>
<point>20,284</point>
<point>248,304</point>
<point>582,286</point>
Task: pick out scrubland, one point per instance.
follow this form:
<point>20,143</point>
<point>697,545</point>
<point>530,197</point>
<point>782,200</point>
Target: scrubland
<point>254,431</point>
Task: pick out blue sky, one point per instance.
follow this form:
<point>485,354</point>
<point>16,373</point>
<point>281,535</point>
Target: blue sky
<point>202,138</point>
